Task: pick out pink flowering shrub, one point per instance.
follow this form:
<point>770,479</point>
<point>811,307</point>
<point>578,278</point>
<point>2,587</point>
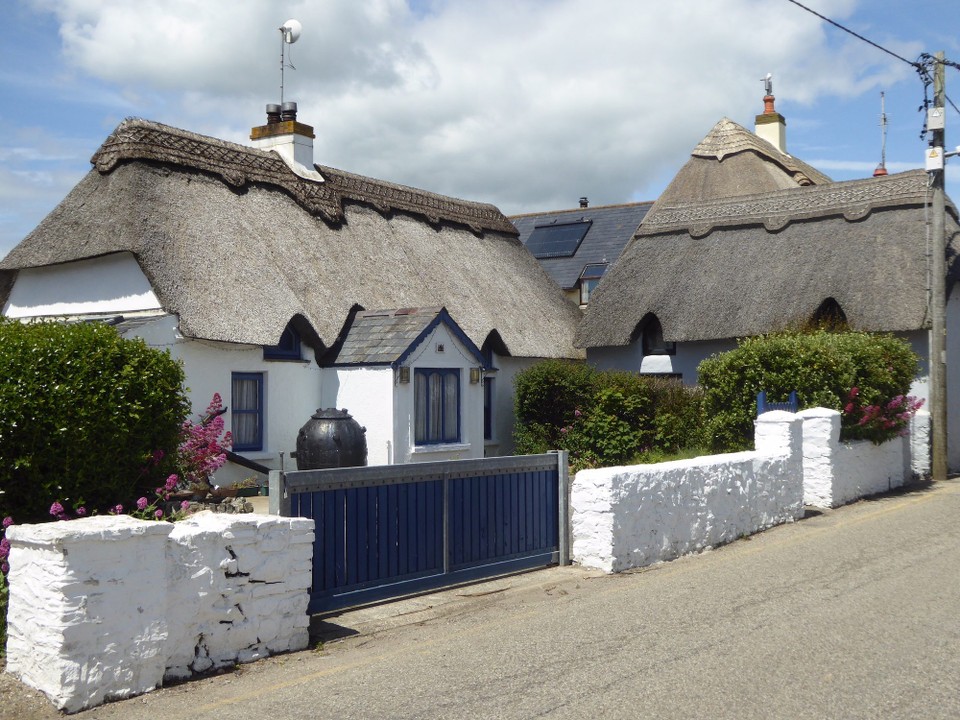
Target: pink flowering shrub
<point>881,421</point>
<point>202,450</point>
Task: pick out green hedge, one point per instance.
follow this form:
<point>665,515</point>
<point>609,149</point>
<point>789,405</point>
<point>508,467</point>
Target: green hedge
<point>602,417</point>
<point>822,367</point>
<point>82,413</point>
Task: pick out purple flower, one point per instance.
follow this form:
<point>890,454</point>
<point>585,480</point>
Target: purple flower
<point>56,509</point>
<point>81,511</point>
<point>185,505</point>
<point>7,522</point>
<point>142,504</point>
<point>158,514</point>
<point>4,568</point>
<point>4,549</point>
<point>117,509</point>
<point>171,482</point>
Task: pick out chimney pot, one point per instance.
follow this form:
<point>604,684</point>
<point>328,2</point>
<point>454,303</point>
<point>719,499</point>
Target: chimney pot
<point>288,111</point>
<point>584,202</point>
<point>273,114</point>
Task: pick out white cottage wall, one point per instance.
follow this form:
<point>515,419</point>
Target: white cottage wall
<point>504,419</point>
<point>291,389</point>
<point>109,284</point>
<point>684,362</point>
<point>367,393</point>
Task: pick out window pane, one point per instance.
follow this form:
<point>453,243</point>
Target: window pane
<point>435,412</point>
<point>247,413</point>
<point>451,398</point>
<point>436,405</point>
<point>420,409</point>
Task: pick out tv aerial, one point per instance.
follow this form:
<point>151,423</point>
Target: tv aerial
<point>289,34</point>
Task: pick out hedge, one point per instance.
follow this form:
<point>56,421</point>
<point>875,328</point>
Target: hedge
<point>602,417</point>
<point>83,414</point>
<point>853,372</point>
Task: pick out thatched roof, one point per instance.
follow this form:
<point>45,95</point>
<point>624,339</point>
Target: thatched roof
<point>237,245</point>
<point>731,161</point>
<point>748,265</point>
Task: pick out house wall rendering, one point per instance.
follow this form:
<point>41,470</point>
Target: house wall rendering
<point>110,284</point>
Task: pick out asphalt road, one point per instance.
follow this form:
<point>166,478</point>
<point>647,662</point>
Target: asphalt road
<point>852,613</point>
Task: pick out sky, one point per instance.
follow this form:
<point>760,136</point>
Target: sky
<point>527,104</point>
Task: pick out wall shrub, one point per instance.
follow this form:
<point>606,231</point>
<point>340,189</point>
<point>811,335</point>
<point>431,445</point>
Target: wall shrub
<point>602,417</point>
<point>83,414</point>
<point>823,367</point>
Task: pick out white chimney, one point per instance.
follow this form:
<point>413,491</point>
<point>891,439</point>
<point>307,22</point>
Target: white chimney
<point>770,125</point>
<point>292,140</point>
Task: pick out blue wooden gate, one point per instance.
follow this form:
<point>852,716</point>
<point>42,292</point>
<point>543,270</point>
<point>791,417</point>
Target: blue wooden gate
<point>391,530</point>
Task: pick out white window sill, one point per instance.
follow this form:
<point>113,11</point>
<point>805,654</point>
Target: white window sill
<point>441,448</point>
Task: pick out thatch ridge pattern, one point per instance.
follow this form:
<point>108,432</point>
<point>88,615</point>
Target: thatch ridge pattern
<point>238,166</point>
<point>728,138</point>
<point>136,139</point>
<point>854,200</point>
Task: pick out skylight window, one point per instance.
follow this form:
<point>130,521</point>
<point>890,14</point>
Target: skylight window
<point>557,240</point>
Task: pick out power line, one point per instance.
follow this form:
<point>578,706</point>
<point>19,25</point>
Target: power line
<point>921,65</point>
<point>856,35</point>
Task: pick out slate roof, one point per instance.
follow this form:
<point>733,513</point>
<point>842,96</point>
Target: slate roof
<point>237,245</point>
<point>747,265</point>
<point>611,229</point>
<point>384,337</point>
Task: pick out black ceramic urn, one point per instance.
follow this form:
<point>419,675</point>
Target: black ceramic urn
<point>331,438</point>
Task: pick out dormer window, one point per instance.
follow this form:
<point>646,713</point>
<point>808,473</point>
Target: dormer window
<point>589,279</point>
<point>287,349</point>
<point>650,333</point>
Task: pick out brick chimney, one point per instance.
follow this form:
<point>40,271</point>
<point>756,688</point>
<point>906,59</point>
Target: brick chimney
<point>291,139</point>
<point>770,125</point>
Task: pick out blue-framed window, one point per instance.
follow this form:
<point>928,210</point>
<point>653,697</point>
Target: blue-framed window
<point>287,349</point>
<point>436,405</point>
<point>488,396</point>
<point>247,411</point>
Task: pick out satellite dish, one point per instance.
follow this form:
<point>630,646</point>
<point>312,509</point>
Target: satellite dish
<point>291,31</point>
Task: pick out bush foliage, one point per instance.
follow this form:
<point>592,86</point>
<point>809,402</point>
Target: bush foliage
<point>602,417</point>
<point>83,413</point>
<point>823,367</point>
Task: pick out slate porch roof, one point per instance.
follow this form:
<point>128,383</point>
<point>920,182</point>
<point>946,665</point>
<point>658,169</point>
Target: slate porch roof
<point>387,337</point>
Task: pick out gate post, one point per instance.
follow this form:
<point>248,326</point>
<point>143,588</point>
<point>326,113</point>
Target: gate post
<point>279,497</point>
<point>563,495</point>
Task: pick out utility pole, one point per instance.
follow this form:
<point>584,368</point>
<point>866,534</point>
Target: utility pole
<point>938,333</point>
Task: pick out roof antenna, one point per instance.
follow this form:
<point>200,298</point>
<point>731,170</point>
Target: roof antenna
<point>289,34</point>
<point>768,83</point>
<point>882,167</point>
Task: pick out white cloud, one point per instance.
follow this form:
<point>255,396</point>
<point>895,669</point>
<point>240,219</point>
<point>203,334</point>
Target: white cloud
<point>525,103</point>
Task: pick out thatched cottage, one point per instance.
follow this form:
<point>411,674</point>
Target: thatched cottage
<point>747,239</point>
<point>253,266</point>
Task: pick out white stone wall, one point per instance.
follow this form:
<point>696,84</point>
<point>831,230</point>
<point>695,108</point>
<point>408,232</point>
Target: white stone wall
<point>626,517</point>
<point>86,620</point>
<point>835,473</point>
<point>108,607</point>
